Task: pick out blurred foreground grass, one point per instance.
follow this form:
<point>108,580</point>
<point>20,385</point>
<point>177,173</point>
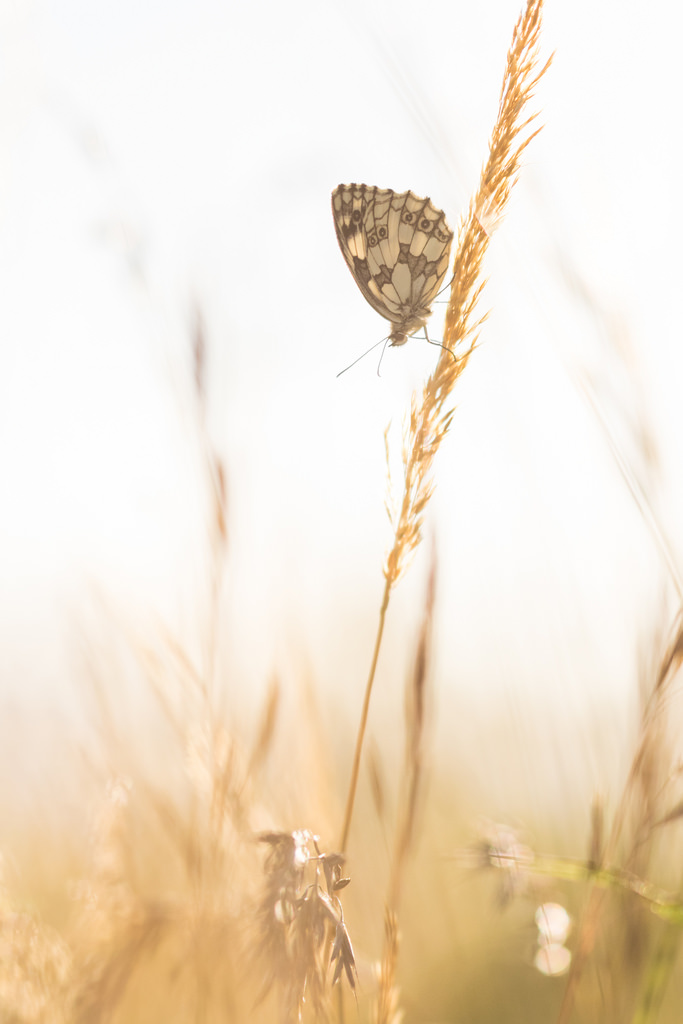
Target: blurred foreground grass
<point>203,871</point>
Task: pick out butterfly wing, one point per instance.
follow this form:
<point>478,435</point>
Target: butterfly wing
<point>350,206</point>
<point>397,247</point>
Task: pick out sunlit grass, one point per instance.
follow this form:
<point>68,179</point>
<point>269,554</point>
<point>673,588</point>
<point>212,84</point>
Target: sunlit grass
<point>203,873</point>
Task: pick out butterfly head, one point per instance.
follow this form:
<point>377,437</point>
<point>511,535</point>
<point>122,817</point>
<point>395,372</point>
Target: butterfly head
<point>412,321</point>
<point>397,338</point>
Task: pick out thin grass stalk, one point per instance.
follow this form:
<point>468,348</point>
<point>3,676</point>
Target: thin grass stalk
<point>388,995</point>
<point>388,1011</point>
<point>639,494</point>
<point>216,479</point>
<point>661,967</point>
<point>649,747</point>
<point>348,813</point>
<point>431,412</point>
<point>416,714</point>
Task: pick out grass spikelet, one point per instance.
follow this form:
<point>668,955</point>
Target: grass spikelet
<point>431,411</point>
<point>430,414</point>
<point>301,921</point>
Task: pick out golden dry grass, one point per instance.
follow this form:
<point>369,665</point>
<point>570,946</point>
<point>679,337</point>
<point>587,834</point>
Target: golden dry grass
<point>197,899</point>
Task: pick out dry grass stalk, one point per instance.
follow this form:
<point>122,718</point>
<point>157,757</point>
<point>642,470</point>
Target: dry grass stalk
<point>180,911</point>
<point>302,924</point>
<point>216,477</point>
<point>186,920</point>
<point>416,699</point>
<point>388,1010</point>
<point>36,967</point>
<point>113,927</point>
<point>416,706</point>
<point>123,928</point>
<point>431,412</point>
<point>266,729</point>
<point>640,808</point>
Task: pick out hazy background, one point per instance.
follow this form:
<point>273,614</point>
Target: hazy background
<point>155,157</point>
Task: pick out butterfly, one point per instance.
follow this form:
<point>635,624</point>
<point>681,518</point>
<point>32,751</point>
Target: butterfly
<point>397,246</point>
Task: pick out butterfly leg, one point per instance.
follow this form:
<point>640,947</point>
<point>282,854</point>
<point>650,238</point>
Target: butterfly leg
<point>439,345</point>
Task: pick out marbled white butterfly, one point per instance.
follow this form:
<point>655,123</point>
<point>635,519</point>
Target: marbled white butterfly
<point>397,246</point>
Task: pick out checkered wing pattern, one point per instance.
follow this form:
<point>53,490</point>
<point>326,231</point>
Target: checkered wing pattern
<point>397,246</point>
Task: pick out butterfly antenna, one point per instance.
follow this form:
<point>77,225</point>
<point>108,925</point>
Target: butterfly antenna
<point>382,357</point>
<point>364,355</point>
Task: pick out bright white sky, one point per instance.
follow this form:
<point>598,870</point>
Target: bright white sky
<point>155,152</point>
